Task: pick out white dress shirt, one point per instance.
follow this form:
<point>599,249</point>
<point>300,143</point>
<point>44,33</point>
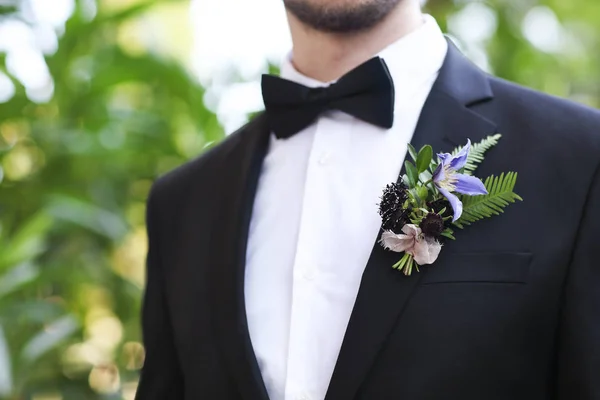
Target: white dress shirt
<point>315,221</point>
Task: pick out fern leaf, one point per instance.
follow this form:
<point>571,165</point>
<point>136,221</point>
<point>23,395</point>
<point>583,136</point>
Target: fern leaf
<point>476,155</point>
<point>500,195</point>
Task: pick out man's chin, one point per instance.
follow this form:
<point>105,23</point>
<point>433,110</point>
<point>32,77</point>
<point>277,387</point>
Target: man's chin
<point>340,16</point>
<point>327,4</point>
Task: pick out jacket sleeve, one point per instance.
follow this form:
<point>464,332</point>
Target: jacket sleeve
<point>161,376</point>
<point>579,335</point>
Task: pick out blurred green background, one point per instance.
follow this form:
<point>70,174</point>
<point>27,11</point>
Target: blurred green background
<point>79,152</point>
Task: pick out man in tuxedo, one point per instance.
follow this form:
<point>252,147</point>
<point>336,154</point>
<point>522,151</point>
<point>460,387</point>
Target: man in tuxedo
<point>265,278</point>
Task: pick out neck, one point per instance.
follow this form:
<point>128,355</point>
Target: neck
<point>327,56</point>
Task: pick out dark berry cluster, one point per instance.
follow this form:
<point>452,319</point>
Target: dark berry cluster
<point>432,225</point>
<point>391,208</point>
<point>439,205</point>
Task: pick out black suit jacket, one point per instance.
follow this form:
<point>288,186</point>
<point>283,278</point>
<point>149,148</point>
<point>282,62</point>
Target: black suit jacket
<point>511,309</point>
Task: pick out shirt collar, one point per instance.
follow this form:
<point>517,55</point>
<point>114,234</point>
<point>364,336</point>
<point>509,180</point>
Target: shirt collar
<point>412,59</point>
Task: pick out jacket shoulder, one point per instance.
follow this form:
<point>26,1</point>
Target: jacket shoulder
<point>553,110</point>
<point>200,169</point>
<point>549,118</point>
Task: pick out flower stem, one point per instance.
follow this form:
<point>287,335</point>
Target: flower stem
<point>408,266</point>
<point>400,264</point>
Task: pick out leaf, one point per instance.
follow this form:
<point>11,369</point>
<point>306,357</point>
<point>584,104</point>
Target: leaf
<point>423,193</point>
<point>425,176</point>
<point>412,151</point>
<point>478,150</point>
<point>49,338</point>
<point>5,367</point>
<point>16,277</point>
<point>414,197</point>
<point>448,233</point>
<point>411,172</point>
<point>31,311</point>
<point>424,158</point>
<point>27,243</point>
<point>88,215</point>
<point>4,10</point>
<point>405,180</point>
<point>500,195</point>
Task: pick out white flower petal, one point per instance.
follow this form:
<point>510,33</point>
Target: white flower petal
<point>397,242</point>
<point>426,251</point>
<point>412,230</point>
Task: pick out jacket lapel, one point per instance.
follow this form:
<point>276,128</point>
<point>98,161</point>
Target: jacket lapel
<point>240,171</point>
<point>445,122</point>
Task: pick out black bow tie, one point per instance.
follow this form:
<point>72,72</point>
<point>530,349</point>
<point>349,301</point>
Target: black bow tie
<point>366,92</point>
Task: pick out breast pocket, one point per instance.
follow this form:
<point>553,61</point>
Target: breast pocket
<point>479,267</point>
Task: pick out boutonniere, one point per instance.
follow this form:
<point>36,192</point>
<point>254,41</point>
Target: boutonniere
<point>437,195</point>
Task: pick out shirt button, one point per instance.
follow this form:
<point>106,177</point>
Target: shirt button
<point>309,273</point>
<point>325,158</point>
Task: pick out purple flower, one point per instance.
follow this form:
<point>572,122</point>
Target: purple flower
<point>448,180</point>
